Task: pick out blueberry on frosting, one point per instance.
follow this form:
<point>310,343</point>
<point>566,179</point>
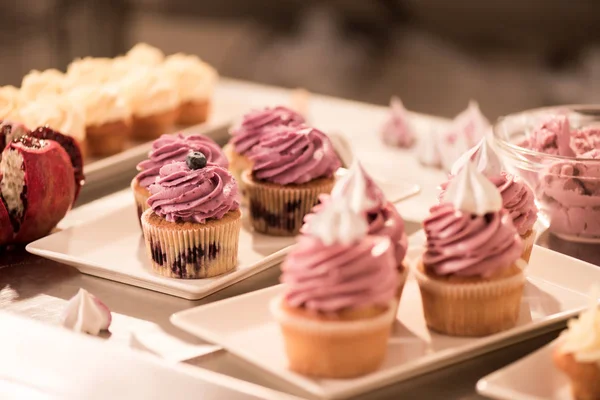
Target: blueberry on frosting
<point>195,160</point>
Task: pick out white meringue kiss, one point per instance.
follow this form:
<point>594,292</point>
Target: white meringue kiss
<point>471,192</point>
<point>484,157</point>
<point>86,314</point>
<point>337,223</point>
<point>353,187</point>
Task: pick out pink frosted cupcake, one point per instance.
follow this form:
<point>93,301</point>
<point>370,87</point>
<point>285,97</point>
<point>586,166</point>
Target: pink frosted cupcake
<point>193,224</point>
<point>338,305</point>
<point>471,275</point>
<point>247,134</point>
<point>165,150</point>
<point>291,167</point>
<point>517,197</point>
<point>367,199</point>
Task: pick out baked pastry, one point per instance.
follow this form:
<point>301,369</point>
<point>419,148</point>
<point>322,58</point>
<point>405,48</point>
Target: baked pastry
<point>154,101</point>
<point>107,118</point>
<point>195,81</point>
<point>471,275</point>
<point>41,83</point>
<point>338,303</point>
<point>168,149</point>
<point>246,135</point>
<point>291,167</point>
<point>192,227</point>
<point>517,197</point>
<point>367,200</point>
<point>578,352</point>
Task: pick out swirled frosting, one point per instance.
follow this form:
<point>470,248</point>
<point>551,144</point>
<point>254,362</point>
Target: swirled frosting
<point>150,91</point>
<point>58,112</point>
<point>254,125</point>
<point>102,103</point>
<point>582,336</point>
<point>41,83</point>
<point>463,244</point>
<point>337,266</point>
<point>397,130</point>
<point>294,155</point>
<point>195,79</point>
<point>171,148</point>
<point>182,194</point>
<point>88,71</point>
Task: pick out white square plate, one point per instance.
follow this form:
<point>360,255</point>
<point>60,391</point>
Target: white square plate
<point>111,246</point>
<point>515,382</point>
<point>556,290</point>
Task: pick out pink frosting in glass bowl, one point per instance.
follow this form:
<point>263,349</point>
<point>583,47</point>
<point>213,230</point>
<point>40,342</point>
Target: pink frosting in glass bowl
<point>557,152</point>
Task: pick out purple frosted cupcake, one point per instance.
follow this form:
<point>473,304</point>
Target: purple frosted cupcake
<point>165,150</point>
<point>192,227</point>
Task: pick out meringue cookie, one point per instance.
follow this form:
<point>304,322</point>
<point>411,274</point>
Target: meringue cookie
<point>484,157</point>
<point>464,132</point>
<point>472,192</point>
<point>40,83</point>
<point>397,130</point>
<point>87,314</point>
<point>428,152</point>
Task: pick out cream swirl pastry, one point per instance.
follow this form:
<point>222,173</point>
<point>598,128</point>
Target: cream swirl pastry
<point>41,83</point>
<point>144,54</point>
<point>294,155</point>
<point>10,101</point>
<point>336,266</point>
<point>582,337</point>
<point>470,234</point>
<point>397,130</point>
<point>193,195</point>
<point>150,91</point>
<point>366,199</point>
<point>102,104</point>
<point>58,112</point>
<point>517,197</point>
<point>254,125</point>
<point>195,79</point>
<point>171,148</point>
<point>87,314</point>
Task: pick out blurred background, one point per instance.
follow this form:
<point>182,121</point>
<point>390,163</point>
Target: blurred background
<point>436,55</point>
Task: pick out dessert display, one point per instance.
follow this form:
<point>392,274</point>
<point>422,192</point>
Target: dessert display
<point>195,82</point>
<point>192,227</point>
<point>470,276</point>
<point>291,167</point>
<point>246,135</point>
<point>367,200</point>
<point>85,313</point>
<point>40,177</point>
<point>338,303</point>
<point>578,353</point>
<point>397,130</point>
<point>168,149</point>
<point>517,197</point>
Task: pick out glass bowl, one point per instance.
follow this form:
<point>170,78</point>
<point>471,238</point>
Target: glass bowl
<point>567,189</point>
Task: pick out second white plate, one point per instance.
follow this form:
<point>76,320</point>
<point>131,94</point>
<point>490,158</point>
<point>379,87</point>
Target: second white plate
<point>556,290</point>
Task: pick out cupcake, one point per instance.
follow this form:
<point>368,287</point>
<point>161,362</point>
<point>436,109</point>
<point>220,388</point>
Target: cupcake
<point>165,150</point>
<point>246,135</point>
<point>291,167</point>
<point>192,227</point>
<point>578,353</point>
<point>154,101</point>
<point>471,275</point>
<point>10,101</point>
<point>517,197</point>
<point>338,302</point>
<point>367,200</point>
<point>41,83</point>
<point>87,71</point>
<point>58,113</point>
<point>107,118</point>
<point>195,81</point>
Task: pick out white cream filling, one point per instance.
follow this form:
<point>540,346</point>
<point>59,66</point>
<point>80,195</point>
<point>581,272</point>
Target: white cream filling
<point>13,181</point>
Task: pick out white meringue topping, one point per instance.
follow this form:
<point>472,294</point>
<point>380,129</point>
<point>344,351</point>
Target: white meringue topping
<point>484,157</point>
<point>353,187</point>
<point>473,193</point>
<point>337,223</point>
<point>86,314</point>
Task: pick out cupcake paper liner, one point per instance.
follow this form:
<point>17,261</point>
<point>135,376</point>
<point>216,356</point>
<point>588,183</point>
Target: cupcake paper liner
<point>471,309</point>
<point>402,277</point>
<point>584,377</point>
<point>333,349</point>
<point>197,251</point>
<point>140,195</point>
<point>279,210</point>
<point>108,138</point>
<point>528,242</point>
<point>193,112</point>
<point>151,127</point>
